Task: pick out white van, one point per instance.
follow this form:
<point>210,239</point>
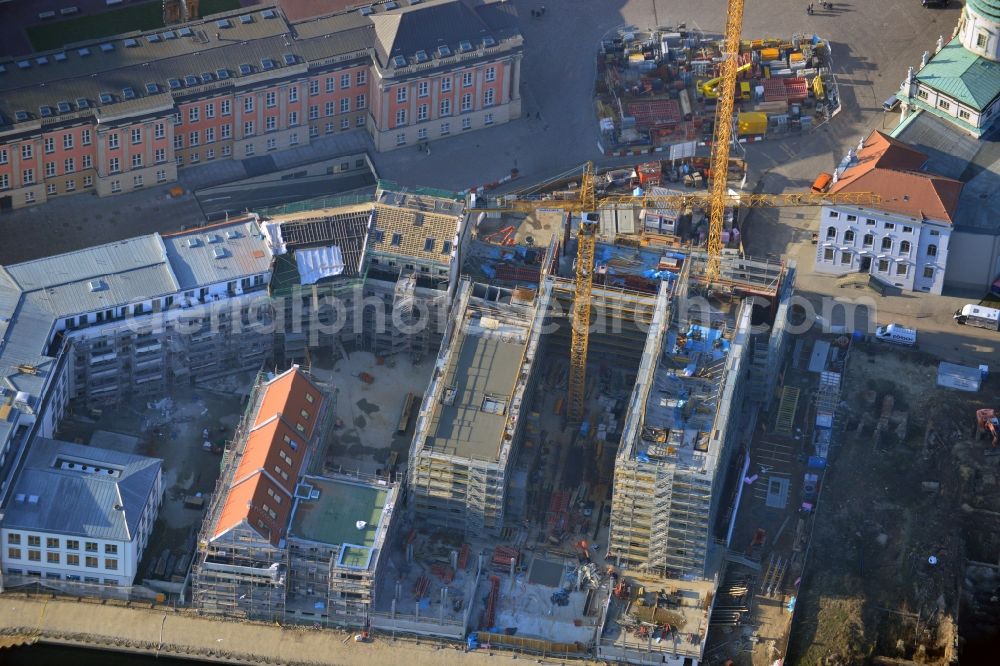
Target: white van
<point>896,333</point>
<point>978,315</point>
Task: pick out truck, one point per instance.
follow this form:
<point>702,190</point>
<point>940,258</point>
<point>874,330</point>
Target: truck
<point>978,315</point>
<point>897,334</point>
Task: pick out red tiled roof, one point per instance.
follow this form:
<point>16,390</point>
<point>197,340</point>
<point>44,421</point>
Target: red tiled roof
<point>891,169</point>
<point>272,458</point>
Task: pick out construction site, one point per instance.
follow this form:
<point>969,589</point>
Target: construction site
<point>658,89</point>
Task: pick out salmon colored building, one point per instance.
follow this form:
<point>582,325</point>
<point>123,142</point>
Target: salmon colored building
<point>125,113</point>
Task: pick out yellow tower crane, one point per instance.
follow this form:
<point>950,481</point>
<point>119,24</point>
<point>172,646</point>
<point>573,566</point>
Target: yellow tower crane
<point>716,200</point>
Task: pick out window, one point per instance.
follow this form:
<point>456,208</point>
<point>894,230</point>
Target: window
<point>114,165</point>
<point>14,553</point>
<point>309,398</point>
<point>272,143</point>
<point>922,94</point>
<point>446,247</point>
<point>852,218</point>
<point>345,105</point>
<point>177,118</point>
<point>293,94</point>
<point>88,181</point>
<point>488,119</point>
<point>466,123</point>
<point>137,161</point>
<point>270,123</point>
<point>331,85</point>
<point>901,269</point>
<point>51,542</point>
<point>111,563</point>
<point>4,181</point>
<point>293,118</point>
<point>67,142</point>
<point>360,102</point>
<point>248,149</point>
<point>422,133</point>
<point>88,162</point>
<point>935,232</point>
<point>329,109</point>
<point>73,560</point>
<point>50,169</point>
<point>849,235</point>
<point>421,112</point>
<point>345,123</point>
<point>889,226</point>
<point>314,88</point>
<point>845,257</point>
<point>904,247</point>
<point>226,107</point>
<point>886,243</point>
<point>467,79</point>
<point>226,131</point>
<point>467,102</point>
<point>359,121</point>
<point>112,141</point>
<point>963,114</point>
<point>159,130</point>
<point>137,180</point>
<point>314,112</point>
<point>828,254</point>
<point>401,117</point>
<point>116,186</point>
<point>248,104</point>
<point>445,107</point>
<point>209,135</point>
<point>397,239</point>
<point>883,265</point>
<point>833,214</point>
<point>3,156</point>
<point>50,145</point>
<point>361,78</point>
<point>422,89</point>
<point>428,245</point>
<point>271,99</point>
<point>445,128</point>
<point>14,538</point>
<point>248,128</point>
<point>50,188</point>
<point>194,114</point>
<point>868,240</point>
<point>981,41</point>
<point>907,230</point>
<point>85,137</point>
<point>26,151</point>
<point>52,558</point>
<point>29,197</point>
<point>178,141</point>
<point>831,233</point>
<point>227,151</point>
<point>928,272</point>
<point>90,562</point>
<point>28,177</point>
<point>345,81</point>
<point>329,128</point>
<point>489,97</point>
<point>161,176</point>
<point>210,110</point>
<point>932,250</point>
<point>446,84</point>
<point>944,104</point>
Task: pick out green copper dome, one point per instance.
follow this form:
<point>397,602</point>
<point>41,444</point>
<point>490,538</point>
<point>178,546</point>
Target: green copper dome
<point>989,9</point>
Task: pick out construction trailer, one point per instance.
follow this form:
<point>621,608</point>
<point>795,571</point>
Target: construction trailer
<point>469,427</point>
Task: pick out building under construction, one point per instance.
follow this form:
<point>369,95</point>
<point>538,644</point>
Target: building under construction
<point>280,542</point>
<point>377,275</point>
<point>469,424</point>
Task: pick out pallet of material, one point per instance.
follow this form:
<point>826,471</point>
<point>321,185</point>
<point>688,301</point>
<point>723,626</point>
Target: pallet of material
<point>775,90</point>
<point>653,113</point>
<point>796,89</point>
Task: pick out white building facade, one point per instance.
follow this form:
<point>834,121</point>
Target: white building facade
<point>906,252</point>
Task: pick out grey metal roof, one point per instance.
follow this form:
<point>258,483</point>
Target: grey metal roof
<point>207,50</point>
<point>426,26</point>
<point>487,363</point>
<point>81,503</point>
<point>221,253</point>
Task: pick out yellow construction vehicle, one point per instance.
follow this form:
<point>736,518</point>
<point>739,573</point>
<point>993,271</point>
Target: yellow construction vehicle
<point>710,88</point>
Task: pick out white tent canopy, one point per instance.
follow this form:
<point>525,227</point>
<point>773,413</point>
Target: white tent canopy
<point>319,262</point>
